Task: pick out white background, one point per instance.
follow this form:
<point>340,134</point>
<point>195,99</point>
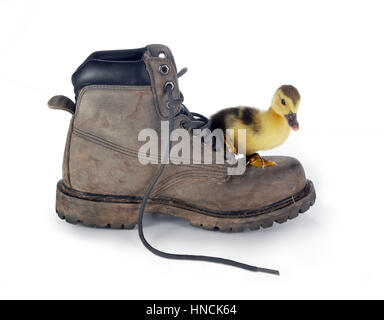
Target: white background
<point>238,53</point>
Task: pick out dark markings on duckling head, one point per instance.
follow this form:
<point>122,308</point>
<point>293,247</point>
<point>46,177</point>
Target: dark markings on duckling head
<point>218,119</point>
<point>291,92</point>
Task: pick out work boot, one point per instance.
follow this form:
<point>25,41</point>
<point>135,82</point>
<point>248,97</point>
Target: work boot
<point>108,182</point>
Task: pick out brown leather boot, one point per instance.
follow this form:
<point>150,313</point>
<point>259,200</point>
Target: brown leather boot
<point>119,93</point>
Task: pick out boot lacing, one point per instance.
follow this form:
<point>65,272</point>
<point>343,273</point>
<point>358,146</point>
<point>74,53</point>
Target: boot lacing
<point>195,121</point>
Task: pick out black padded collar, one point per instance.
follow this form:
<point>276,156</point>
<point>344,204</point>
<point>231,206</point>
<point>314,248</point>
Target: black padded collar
<point>116,67</point>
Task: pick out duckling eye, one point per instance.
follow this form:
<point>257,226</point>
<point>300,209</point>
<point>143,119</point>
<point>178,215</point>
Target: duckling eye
<point>283,102</point>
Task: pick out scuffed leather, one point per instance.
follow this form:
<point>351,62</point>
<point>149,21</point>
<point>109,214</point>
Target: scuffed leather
<point>103,152</point>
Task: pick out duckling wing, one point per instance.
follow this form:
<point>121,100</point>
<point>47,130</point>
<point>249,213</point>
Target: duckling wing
<point>224,118</point>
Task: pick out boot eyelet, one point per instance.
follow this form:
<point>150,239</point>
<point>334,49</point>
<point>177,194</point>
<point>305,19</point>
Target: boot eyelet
<point>169,83</point>
<point>168,105</point>
<point>162,55</point>
<point>164,69</point>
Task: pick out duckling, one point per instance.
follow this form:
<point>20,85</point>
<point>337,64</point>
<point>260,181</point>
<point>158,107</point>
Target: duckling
<point>265,130</point>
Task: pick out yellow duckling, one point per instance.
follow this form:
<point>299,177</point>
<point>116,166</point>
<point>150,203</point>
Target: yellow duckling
<point>264,129</point>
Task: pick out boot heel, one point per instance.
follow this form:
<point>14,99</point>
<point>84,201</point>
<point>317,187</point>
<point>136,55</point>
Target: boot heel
<point>92,211</point>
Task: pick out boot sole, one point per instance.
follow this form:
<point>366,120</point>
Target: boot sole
<point>121,212</point>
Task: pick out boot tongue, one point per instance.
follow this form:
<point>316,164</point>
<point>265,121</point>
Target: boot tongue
<point>161,51</point>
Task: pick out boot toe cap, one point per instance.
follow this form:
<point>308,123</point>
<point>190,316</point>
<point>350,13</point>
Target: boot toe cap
<point>264,186</point>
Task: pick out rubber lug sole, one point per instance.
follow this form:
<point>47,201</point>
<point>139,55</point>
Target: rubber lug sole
<point>119,212</point>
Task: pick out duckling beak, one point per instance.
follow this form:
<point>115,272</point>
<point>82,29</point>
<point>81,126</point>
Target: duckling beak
<point>292,121</point>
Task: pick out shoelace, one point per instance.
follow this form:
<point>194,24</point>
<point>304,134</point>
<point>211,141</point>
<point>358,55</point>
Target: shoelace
<point>195,121</point>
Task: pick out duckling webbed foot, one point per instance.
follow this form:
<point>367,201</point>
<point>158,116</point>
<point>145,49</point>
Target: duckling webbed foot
<point>257,161</point>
